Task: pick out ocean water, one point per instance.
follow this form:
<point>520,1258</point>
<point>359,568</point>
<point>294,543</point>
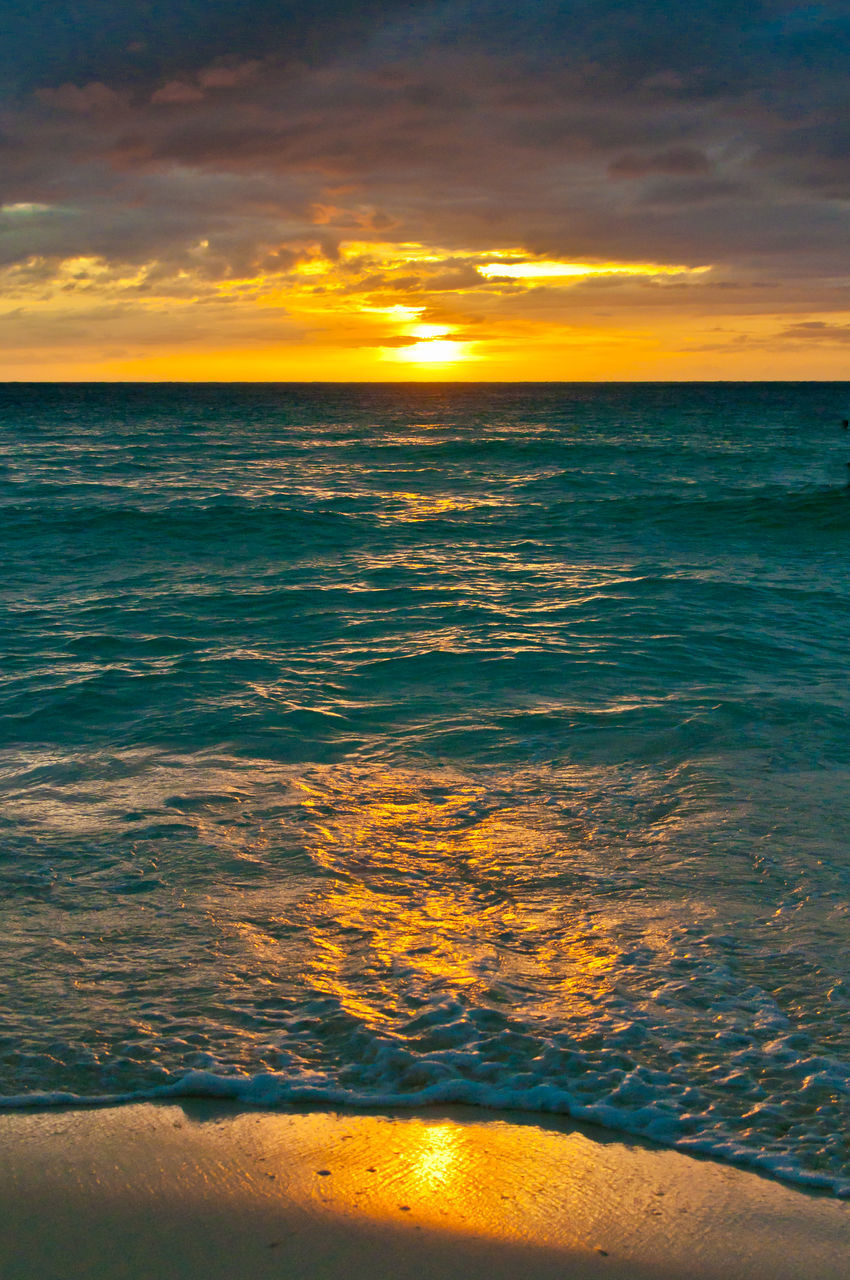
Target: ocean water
<point>427,744</point>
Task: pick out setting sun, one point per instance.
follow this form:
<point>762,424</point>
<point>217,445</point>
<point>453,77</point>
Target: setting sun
<point>434,351</point>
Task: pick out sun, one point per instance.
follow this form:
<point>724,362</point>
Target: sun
<point>434,351</point>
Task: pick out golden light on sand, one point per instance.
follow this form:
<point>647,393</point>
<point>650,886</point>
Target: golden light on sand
<point>435,1163</point>
<point>240,1193</point>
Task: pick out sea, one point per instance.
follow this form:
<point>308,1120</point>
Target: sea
<point>400,746</point>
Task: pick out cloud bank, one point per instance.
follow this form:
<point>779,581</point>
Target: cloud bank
<point>272,175</point>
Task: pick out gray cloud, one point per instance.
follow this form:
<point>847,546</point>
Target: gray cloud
<point>579,129</point>
<point>676,160</point>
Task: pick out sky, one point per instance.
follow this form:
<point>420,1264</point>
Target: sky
<point>411,189</point>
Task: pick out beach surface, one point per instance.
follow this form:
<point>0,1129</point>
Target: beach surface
<point>207,1191</point>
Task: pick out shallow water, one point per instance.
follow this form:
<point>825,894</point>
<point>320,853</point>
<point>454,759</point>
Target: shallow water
<point>433,743</point>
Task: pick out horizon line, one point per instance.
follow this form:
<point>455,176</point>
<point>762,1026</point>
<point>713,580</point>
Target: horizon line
<point>415,382</point>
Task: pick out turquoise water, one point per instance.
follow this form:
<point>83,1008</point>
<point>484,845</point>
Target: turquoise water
<point>420,744</point>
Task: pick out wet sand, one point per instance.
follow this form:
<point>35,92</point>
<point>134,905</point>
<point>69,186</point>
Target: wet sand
<point>205,1191</point>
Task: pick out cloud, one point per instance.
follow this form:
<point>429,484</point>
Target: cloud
<point>176,93</point>
<point>675,160</point>
<point>219,76</point>
<point>574,130</point>
<point>147,42</point>
<point>817,331</point>
<point>229,76</point>
<point>85,99</point>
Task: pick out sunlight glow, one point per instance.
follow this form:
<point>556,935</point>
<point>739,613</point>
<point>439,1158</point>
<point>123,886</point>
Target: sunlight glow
<point>435,1163</point>
<point>433,351</point>
<point>429,331</point>
<point>24,207</point>
<point>579,270</point>
<point>393,920</point>
<point>381,311</point>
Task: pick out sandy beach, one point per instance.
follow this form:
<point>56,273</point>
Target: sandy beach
<point>205,1191</point>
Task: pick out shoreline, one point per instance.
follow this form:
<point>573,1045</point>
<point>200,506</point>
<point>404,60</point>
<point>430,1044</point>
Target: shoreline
<point>204,1190</point>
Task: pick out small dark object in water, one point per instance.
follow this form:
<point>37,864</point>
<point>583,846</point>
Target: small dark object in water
<point>845,423</point>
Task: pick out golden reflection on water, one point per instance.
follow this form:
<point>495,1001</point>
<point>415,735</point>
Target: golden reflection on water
<point>423,506</point>
<point>435,892</point>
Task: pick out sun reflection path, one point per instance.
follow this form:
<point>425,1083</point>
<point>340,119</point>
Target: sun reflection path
<point>433,897</point>
<point>448,1175</point>
<point>422,506</point>
<point>434,1164</point>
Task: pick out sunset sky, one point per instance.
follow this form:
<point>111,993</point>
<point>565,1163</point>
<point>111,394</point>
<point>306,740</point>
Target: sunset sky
<point>407,189</point>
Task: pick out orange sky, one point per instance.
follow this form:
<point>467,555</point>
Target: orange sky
<point>399,312</point>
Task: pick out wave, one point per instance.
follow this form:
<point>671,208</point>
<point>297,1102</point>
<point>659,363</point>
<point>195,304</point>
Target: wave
<point>272,1090</point>
<point>532,699</point>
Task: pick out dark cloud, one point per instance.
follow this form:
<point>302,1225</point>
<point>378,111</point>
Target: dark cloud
<point>608,129</point>
<point>677,160</point>
<point>818,331</point>
<point>140,41</point>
